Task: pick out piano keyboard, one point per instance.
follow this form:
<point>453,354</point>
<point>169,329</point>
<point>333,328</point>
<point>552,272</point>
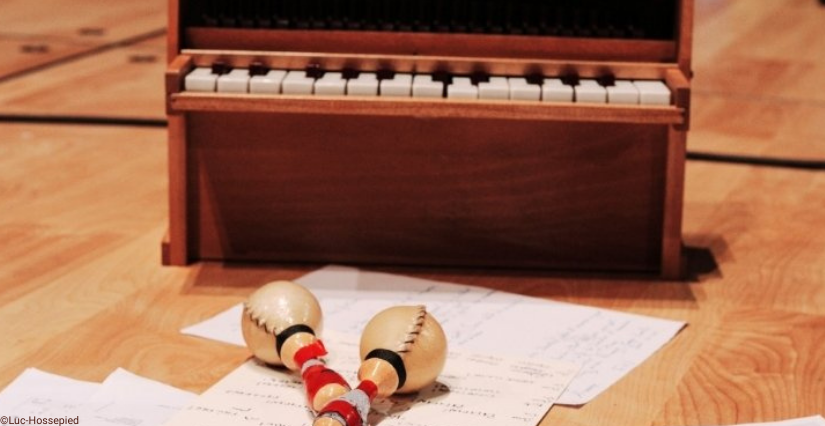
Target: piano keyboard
<point>401,85</point>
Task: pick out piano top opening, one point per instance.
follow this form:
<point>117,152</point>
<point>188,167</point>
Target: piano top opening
<point>601,19</point>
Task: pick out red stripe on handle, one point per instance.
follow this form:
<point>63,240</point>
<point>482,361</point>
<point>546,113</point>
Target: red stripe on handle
<point>313,351</point>
<point>345,410</point>
<point>369,388</point>
<point>318,376</point>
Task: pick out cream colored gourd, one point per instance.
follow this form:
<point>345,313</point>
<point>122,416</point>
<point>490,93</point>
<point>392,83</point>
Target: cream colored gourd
<point>272,309</point>
<point>412,333</point>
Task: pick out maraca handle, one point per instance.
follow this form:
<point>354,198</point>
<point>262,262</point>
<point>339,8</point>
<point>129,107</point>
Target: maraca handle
<point>350,409</point>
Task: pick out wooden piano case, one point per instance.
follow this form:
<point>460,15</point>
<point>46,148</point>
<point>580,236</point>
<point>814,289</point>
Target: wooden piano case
<point>443,182</point>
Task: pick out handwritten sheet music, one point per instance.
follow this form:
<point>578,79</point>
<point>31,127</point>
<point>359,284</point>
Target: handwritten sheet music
<point>41,394</point>
<point>608,344</point>
<point>125,398</point>
<point>474,389</point>
<point>122,399</point>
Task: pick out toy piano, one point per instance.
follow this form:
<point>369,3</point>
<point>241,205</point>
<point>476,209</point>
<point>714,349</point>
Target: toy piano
<point>478,133</point>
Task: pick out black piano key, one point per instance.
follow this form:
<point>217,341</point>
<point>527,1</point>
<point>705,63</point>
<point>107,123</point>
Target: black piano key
<point>220,67</point>
<point>606,80</point>
<point>569,78</point>
<point>258,68</point>
<point>314,70</point>
<point>535,78</point>
<point>443,76</point>
<point>385,74</point>
<point>479,77</point>
<point>349,73</point>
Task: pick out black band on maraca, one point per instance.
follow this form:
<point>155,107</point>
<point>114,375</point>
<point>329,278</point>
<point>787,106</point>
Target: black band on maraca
<point>394,359</point>
<point>286,334</point>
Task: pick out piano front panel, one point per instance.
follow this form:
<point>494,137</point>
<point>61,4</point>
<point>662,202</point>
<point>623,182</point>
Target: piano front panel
<point>451,192</point>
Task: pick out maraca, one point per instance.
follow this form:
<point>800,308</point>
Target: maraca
<point>279,324</point>
<point>403,349</point>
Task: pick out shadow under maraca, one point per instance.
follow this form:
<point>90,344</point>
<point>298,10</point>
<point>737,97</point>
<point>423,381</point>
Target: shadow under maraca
<point>396,405</point>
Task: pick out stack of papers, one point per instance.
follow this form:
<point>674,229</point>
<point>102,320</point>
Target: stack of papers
<point>122,399</point>
<point>606,344</point>
<point>475,389</point>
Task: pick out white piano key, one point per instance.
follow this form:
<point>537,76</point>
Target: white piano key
<point>623,92</point>
<point>424,87</point>
<point>331,84</point>
<point>366,84</point>
<point>462,81</point>
<point>462,88</point>
<point>517,81</point>
<point>422,79</point>
<point>297,83</point>
<point>398,86</point>
<point>269,83</point>
<point>591,92</point>
<point>497,88</point>
<point>200,80</point>
<point>652,92</point>
<point>521,90</point>
<point>554,90</point>
<point>236,81</point>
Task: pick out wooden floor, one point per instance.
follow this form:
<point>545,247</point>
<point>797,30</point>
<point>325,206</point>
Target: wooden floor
<point>82,290</point>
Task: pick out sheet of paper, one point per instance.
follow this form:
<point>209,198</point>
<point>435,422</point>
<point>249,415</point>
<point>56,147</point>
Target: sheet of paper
<point>608,344</point>
<point>474,389</point>
<point>224,327</point>
<point>122,399</point>
<point>41,394</point>
<point>127,399</point>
